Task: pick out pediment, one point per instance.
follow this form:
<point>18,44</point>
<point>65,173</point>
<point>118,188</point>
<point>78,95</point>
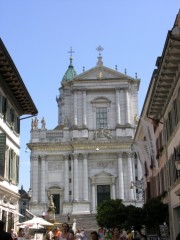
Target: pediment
<point>103,174</point>
<point>102,72</point>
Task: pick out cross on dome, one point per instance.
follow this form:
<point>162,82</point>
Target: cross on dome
<point>99,49</point>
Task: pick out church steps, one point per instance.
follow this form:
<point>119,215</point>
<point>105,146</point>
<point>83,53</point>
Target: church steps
<point>86,221</point>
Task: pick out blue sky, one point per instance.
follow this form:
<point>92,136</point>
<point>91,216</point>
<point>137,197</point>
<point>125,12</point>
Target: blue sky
<point>39,33</point>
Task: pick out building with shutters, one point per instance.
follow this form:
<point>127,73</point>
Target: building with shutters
<point>161,114</point>
<point>15,102</point>
<point>87,157</point>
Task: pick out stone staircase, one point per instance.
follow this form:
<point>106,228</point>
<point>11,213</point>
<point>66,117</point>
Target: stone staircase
<point>86,221</point>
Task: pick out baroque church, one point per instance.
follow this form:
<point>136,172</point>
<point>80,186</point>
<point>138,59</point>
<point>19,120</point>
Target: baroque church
<point>87,158</point>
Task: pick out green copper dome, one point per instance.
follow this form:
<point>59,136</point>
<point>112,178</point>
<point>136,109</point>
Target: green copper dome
<point>70,73</point>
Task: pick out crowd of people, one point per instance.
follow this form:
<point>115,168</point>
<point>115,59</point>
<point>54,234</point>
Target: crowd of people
<point>67,233</point>
<point>117,233</point>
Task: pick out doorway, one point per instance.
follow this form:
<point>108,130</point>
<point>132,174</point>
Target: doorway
<point>103,193</point>
<point>56,200</point>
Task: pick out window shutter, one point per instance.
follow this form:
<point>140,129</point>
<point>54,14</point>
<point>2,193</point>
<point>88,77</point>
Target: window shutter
<point>11,164</point>
<point>17,169</point>
<point>2,153</point>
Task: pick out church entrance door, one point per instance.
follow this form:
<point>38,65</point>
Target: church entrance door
<point>103,193</point>
<point>56,200</point>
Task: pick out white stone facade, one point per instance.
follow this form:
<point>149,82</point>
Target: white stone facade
<point>79,163</point>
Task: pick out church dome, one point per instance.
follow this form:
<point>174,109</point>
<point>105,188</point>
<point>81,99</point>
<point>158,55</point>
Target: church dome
<point>70,73</point>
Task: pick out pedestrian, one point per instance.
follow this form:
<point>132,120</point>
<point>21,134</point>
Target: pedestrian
<point>56,233</point>
<point>21,232</point>
<point>94,235</point>
<point>118,234</point>
<point>136,236</point>
<point>49,234</point>
<point>68,217</point>
<point>65,234</point>
<point>78,235</point>
<point>4,235</point>
<point>129,234</point>
<point>74,226</point>
<point>83,234</point>
<point>108,235</point>
<point>14,234</point>
<point>101,233</point>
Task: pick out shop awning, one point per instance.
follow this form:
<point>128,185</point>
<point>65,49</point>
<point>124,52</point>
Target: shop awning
<point>11,210</point>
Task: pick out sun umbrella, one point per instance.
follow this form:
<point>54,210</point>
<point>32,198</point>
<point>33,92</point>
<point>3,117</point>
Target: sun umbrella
<point>33,226</point>
<point>37,220</point>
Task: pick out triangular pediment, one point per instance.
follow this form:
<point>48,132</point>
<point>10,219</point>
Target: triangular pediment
<point>102,72</point>
<point>103,174</point>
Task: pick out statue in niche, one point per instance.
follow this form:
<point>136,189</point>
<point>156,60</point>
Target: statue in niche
<point>51,207</point>
<point>43,123</point>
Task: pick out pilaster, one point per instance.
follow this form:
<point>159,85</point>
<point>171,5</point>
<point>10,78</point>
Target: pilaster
<point>120,176</point>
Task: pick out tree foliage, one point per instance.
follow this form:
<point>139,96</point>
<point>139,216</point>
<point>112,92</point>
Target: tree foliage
<point>111,213</point>
<point>155,212</point>
<point>134,217</point>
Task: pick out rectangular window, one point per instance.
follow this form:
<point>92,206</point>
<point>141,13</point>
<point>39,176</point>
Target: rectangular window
<point>11,165</point>
<point>4,106</point>
<point>16,123</point>
<point>101,117</point>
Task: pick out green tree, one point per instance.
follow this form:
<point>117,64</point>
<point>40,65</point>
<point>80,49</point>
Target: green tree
<point>134,217</point>
<point>155,212</point>
<point>111,213</point>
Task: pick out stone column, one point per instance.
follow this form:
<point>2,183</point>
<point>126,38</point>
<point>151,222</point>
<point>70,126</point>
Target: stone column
<point>75,107</point>
<point>34,178</point>
<point>84,109</point>
<point>130,172</point>
<point>76,182</point>
<point>118,112</point>
<point>66,178</point>
<point>120,176</point>
<point>93,198</point>
<point>72,177</point>
<point>85,178</point>
<point>127,106</point>
<point>113,191</point>
<point>43,179</point>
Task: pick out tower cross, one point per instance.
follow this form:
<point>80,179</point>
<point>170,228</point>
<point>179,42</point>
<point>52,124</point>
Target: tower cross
<point>99,49</point>
<point>71,52</point>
